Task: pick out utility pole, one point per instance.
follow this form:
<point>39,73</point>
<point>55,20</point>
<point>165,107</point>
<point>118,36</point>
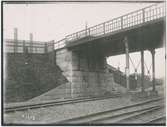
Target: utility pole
<point>142,70</point>
<point>127,61</point>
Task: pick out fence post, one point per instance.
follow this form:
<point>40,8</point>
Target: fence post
<point>89,31</point>
<point>31,43</point>
<point>46,48</point>
<point>53,45</point>
<point>77,35</point>
<point>143,13</point>
<point>15,40</point>
<point>24,50</point>
<point>104,28</point>
<point>86,33</point>
<point>58,44</point>
<point>86,28</point>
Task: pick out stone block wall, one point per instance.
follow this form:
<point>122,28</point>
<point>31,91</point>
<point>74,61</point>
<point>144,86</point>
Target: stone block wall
<point>86,73</point>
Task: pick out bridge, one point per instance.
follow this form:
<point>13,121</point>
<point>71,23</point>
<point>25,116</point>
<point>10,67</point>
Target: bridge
<point>141,30</point>
<point>82,55</point>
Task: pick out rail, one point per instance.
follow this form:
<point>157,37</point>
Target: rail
<point>116,112</point>
<point>144,15</point>
<point>33,105</point>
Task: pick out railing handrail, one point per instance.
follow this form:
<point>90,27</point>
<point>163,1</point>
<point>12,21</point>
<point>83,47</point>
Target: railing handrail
<point>115,18</point>
<point>60,40</point>
<point>33,46</point>
<point>26,41</point>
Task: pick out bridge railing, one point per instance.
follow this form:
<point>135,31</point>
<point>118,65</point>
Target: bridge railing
<point>131,19</point>
<point>60,44</point>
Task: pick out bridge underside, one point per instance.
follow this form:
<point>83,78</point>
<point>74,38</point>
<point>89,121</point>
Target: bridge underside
<point>140,37</point>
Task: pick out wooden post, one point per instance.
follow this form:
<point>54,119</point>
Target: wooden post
<point>89,31</point>
<point>15,39</point>
<point>31,43</point>
<point>53,44</point>
<point>46,48</point>
<point>24,47</point>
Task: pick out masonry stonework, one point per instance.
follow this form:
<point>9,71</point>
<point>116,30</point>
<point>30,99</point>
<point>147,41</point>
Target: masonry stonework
<point>87,74</point>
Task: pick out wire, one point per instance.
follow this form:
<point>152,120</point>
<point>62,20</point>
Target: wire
<point>146,66</point>
<point>148,69</point>
<point>132,62</point>
<point>135,67</point>
<point>138,64</point>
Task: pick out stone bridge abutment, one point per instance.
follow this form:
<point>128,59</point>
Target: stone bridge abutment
<point>86,71</point>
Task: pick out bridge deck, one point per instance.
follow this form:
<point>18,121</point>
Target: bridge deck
<point>140,37</point>
<point>149,20</point>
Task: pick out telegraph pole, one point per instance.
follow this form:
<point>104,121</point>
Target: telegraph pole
<point>127,61</point>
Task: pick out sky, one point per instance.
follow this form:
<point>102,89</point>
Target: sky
<point>55,21</point>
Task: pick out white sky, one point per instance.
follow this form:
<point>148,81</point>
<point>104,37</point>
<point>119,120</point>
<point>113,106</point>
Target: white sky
<point>55,21</point>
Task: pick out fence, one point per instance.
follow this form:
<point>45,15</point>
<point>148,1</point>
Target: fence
<point>21,46</point>
<point>144,15</point>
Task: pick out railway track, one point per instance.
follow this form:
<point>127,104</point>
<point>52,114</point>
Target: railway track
<point>127,114</point>
<point>161,119</point>
<point>9,109</point>
<point>146,116</point>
